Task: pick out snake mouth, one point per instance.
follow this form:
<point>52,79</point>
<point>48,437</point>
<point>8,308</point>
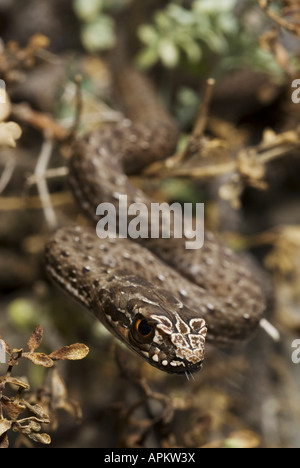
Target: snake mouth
<point>176,365</point>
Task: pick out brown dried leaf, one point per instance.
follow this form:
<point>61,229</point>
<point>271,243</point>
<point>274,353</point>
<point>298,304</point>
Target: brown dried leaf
<point>39,359</point>
<point>38,41</point>
<point>60,397</point>
<point>231,191</point>
<point>41,438</point>
<point>250,166</point>
<point>18,382</point>
<point>35,339</point>
<point>9,133</point>
<point>13,409</point>
<point>27,426</point>
<point>73,352</point>
<point>17,350</point>
<point>58,388</point>
<point>5,425</point>
<point>5,108</point>
<point>38,411</point>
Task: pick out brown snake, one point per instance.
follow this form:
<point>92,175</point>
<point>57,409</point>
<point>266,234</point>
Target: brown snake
<point>158,298</point>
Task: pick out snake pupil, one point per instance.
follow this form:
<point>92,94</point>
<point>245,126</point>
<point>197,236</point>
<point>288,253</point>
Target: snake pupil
<point>144,328</point>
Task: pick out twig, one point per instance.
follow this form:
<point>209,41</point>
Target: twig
<point>194,143</point>
<point>39,120</point>
<point>206,171</point>
<point>48,174</point>
<point>7,173</point>
<point>264,154</point>
<point>79,106</point>
<point>34,202</point>
<point>40,169</point>
<point>201,120</point>
<point>293,28</point>
<point>270,329</point>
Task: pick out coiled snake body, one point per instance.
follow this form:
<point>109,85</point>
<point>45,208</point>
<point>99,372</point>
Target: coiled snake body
<point>160,299</point>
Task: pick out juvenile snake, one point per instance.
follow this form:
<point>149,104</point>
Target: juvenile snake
<point>160,299</point>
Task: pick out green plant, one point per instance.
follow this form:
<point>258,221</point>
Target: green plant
<point>97,31</point>
<point>178,31</point>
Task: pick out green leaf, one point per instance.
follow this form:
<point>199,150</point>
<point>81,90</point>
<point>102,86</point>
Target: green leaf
<point>147,34</point>
<point>168,52</point>
<point>216,42</point>
<point>192,50</point>
<point>163,21</point>
<point>209,7</point>
<point>86,10</point>
<point>148,57</point>
<point>99,34</point>
<point>181,15</point>
<point>22,313</point>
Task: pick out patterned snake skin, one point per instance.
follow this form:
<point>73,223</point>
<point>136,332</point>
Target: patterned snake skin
<point>160,299</point>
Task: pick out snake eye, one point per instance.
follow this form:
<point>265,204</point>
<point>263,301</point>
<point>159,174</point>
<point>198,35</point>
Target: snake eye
<point>143,330</point>
<point>143,327</point>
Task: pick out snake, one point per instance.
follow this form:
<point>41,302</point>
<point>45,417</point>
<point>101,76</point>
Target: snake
<point>160,299</point>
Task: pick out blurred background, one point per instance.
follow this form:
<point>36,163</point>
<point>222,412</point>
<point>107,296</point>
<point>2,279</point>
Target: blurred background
<point>246,172</point>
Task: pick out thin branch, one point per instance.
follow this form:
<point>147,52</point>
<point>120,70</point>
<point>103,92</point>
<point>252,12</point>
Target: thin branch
<point>201,120</point>
<point>292,27</point>
<point>264,153</point>
<point>79,107</point>
<point>194,143</point>
<point>34,202</point>
<point>48,174</point>
<point>41,167</point>
<point>24,113</point>
<point>270,329</point>
<point>7,173</point>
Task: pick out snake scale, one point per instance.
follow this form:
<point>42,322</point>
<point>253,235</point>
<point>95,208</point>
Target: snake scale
<point>158,298</point>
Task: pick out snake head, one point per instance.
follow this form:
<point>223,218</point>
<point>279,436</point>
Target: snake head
<point>161,330</point>
<point>168,342</point>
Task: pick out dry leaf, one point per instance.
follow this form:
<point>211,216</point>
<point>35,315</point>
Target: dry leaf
<point>35,339</point>
<point>26,426</point>
<point>58,388</point>
<point>41,438</point>
<point>14,381</point>
<point>231,191</point>
<point>39,41</point>
<point>5,425</point>
<point>9,133</point>
<point>60,397</point>
<point>38,411</point>
<point>73,352</point>
<point>12,408</point>
<point>251,168</point>
<point>5,107</point>
<point>39,359</point>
